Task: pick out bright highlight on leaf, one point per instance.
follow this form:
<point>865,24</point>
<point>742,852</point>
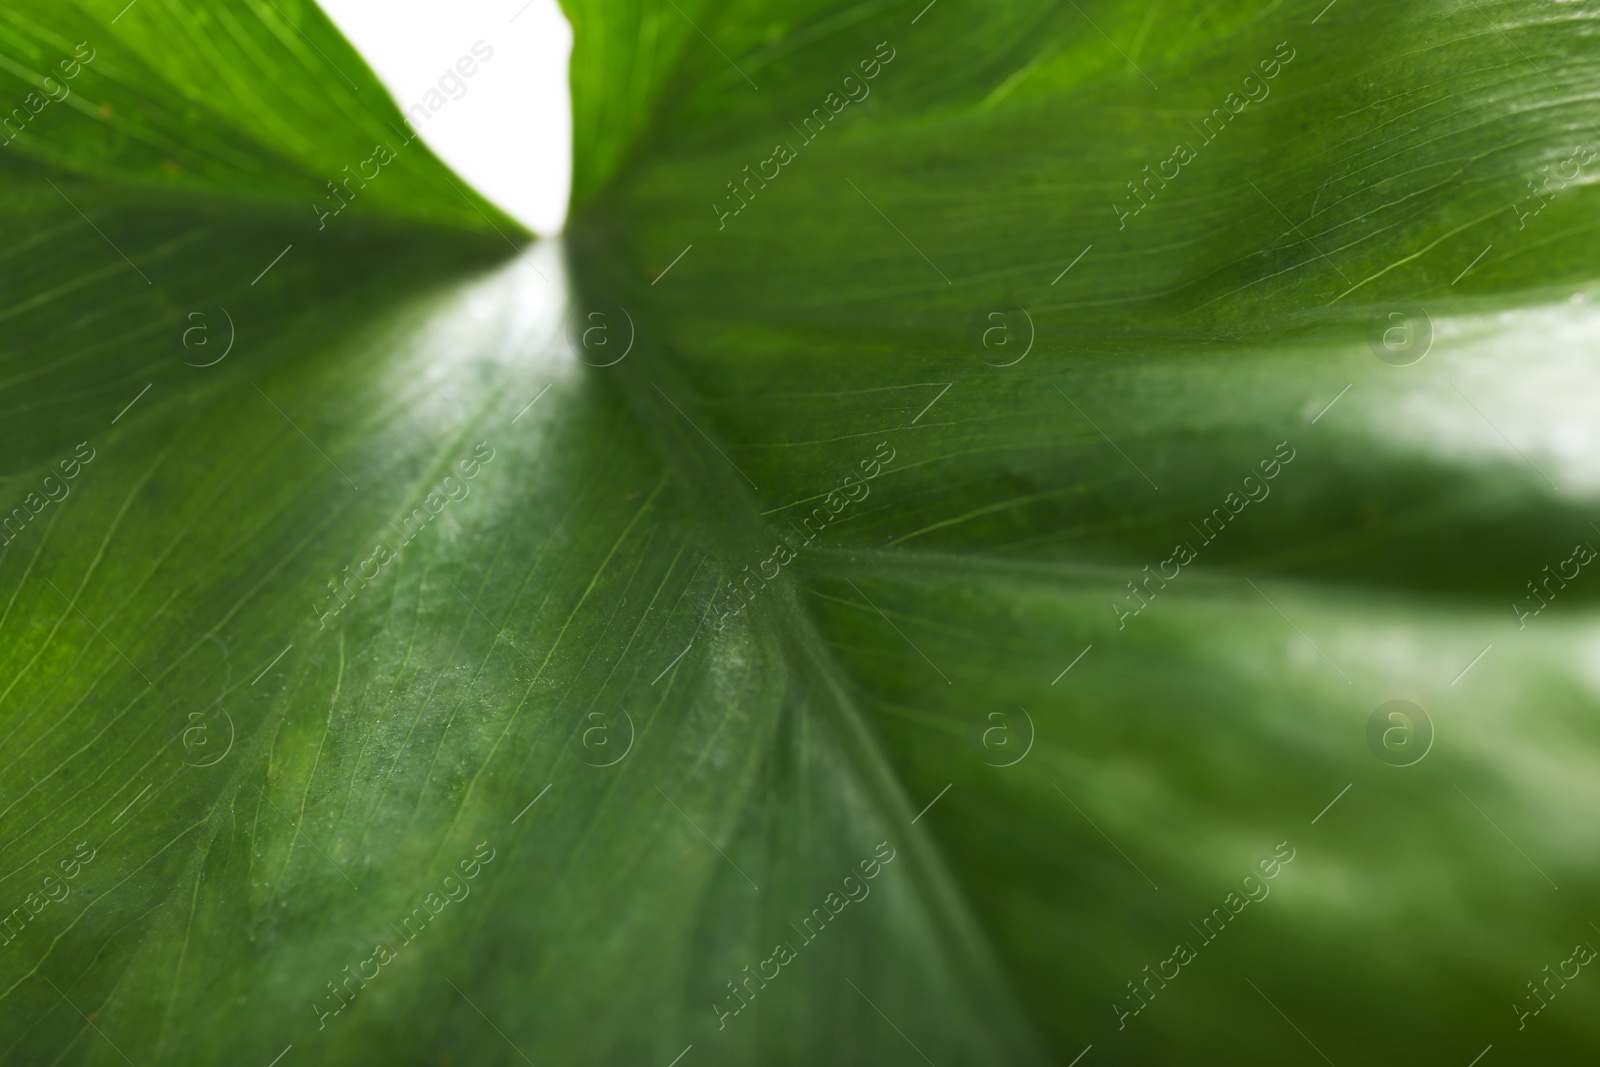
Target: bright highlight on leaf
<point>1014,534</point>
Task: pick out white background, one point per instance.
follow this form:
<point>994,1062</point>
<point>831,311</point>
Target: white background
<point>510,133</point>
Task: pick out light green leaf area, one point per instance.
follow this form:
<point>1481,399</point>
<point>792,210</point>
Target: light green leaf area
<point>260,100</point>
<point>373,684</point>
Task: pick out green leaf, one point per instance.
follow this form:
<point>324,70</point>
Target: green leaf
<point>411,621</point>
<point>253,101</point>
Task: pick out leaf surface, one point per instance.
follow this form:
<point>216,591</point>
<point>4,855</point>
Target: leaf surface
<point>412,620</point>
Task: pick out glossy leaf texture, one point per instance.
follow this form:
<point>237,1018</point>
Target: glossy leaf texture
<point>1237,362</point>
<point>389,672</point>
<point>344,608</point>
